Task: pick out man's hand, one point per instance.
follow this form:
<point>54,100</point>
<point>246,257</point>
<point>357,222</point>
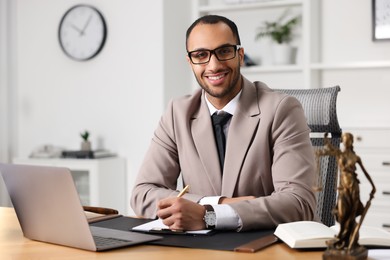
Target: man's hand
<point>181,214</point>
<point>225,200</point>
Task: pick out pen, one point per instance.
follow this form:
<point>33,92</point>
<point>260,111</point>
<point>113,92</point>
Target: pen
<point>183,191</point>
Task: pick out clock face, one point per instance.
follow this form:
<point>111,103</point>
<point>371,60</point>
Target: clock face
<point>82,32</point>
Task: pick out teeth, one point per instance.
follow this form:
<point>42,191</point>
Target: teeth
<point>215,77</point>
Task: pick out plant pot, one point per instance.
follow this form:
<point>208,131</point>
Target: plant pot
<point>283,54</point>
<point>86,146</point>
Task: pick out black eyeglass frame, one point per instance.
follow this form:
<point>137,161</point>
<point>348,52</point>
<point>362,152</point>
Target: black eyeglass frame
<point>237,47</point>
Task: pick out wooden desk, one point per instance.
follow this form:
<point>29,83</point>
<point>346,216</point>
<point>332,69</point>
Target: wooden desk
<point>13,245</point>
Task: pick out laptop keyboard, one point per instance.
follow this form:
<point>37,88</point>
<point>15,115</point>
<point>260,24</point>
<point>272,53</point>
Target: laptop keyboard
<point>109,241</point>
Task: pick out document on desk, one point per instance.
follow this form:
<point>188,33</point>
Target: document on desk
<point>158,227</point>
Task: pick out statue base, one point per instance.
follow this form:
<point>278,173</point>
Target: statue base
<point>357,253</point>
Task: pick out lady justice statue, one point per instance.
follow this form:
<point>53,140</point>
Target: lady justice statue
<point>348,205</point>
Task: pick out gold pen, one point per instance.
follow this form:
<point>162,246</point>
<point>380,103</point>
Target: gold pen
<point>183,191</point>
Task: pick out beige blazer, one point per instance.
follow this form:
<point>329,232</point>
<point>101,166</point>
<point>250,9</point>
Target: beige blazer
<point>268,155</point>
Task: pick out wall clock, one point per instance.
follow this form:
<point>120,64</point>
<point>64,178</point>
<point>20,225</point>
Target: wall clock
<point>82,32</point>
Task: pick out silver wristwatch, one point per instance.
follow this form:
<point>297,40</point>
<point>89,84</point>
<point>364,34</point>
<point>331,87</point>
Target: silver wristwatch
<point>209,217</point>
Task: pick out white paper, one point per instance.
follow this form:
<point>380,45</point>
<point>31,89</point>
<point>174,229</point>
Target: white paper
<point>159,225</point>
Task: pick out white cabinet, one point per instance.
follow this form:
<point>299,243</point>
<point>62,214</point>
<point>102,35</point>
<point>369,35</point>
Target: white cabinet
<point>99,182</point>
<point>373,147</point>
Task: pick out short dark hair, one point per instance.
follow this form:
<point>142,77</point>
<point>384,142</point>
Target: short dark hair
<point>214,19</point>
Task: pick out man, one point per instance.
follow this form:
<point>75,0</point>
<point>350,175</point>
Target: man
<point>268,170</point>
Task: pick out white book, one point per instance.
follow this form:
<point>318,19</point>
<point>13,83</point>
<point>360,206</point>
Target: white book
<point>311,234</point>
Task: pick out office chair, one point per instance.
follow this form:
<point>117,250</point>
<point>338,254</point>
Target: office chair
<point>320,110</point>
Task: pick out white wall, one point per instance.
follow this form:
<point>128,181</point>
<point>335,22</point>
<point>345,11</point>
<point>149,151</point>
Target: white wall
<point>58,98</point>
<point>118,96</point>
<point>347,33</point>
<point>4,92</point>
<point>177,73</point>
<point>346,37</point>
<point>3,79</point>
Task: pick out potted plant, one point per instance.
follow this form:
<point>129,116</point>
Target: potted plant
<point>85,144</point>
<point>281,33</point>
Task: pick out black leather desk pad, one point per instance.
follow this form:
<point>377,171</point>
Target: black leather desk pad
<point>220,240</point>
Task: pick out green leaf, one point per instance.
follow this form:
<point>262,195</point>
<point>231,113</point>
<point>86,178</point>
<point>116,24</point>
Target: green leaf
<point>278,31</point>
<point>85,135</point>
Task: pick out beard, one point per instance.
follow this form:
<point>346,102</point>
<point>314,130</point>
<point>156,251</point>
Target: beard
<point>227,91</point>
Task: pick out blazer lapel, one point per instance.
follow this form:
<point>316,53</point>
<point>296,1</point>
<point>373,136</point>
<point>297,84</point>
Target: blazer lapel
<point>241,130</point>
<point>203,135</point>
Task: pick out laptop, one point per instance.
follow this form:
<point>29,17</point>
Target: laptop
<point>48,208</point>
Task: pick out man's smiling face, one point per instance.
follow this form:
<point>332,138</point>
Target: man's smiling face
<point>220,79</point>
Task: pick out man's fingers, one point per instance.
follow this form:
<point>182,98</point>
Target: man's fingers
<point>165,203</point>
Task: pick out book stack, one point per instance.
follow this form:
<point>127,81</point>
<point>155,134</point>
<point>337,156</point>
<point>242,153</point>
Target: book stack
<point>80,154</point>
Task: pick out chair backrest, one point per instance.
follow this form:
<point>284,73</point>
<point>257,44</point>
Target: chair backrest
<point>320,110</point>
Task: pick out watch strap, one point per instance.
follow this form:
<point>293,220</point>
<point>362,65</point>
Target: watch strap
<point>208,207</point>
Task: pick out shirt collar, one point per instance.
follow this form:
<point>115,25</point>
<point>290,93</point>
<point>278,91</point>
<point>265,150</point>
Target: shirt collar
<point>229,108</point>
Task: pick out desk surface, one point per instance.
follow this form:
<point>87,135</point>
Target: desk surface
<point>13,245</point>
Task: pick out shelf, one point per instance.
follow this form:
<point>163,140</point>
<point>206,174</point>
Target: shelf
<point>351,65</point>
<point>318,66</point>
<point>271,68</point>
<point>244,12</point>
<point>249,6</point>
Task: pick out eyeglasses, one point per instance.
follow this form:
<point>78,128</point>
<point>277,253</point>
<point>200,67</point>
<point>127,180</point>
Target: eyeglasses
<point>223,53</point>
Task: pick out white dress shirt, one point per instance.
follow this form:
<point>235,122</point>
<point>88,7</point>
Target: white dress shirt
<point>226,216</point>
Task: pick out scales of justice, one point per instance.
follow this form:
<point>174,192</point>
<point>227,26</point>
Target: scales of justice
<point>348,205</point>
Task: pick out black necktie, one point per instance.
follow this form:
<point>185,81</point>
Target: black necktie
<point>219,120</point>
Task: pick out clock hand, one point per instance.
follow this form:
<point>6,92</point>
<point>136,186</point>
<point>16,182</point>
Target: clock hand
<point>76,28</point>
<point>86,24</point>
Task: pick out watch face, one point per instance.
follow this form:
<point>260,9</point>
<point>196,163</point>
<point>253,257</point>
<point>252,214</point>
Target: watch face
<point>210,218</point>
<point>82,32</point>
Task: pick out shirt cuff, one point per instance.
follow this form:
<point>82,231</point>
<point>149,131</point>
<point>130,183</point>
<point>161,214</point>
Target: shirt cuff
<point>227,218</point>
<point>212,200</point>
